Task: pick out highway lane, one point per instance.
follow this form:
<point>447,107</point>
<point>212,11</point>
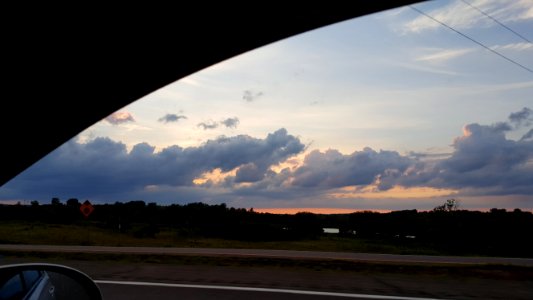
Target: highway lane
<point>287,254</point>
<point>397,280</point>
<point>142,290</point>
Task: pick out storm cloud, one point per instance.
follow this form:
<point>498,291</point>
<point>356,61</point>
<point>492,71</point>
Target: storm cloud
<point>119,118</point>
<point>249,173</point>
<point>484,161</point>
<point>486,158</point>
<point>528,135</point>
<point>523,117</point>
<point>332,169</point>
<point>168,118</point>
<point>105,167</point>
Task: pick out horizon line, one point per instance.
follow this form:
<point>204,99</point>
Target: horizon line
<point>295,210</point>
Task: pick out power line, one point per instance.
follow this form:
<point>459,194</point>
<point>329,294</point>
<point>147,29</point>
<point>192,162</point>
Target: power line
<point>473,40</point>
<point>498,22</point>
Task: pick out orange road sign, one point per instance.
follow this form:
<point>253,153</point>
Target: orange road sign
<point>86,208</point>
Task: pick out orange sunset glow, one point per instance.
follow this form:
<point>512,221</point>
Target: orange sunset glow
<point>315,210</point>
<point>398,192</point>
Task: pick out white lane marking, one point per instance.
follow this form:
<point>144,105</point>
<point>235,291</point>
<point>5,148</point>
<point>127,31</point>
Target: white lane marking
<point>251,289</point>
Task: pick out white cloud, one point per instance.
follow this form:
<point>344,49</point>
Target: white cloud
<point>442,56</point>
<point>461,16</point>
<point>514,46</point>
<point>528,14</point>
<point>120,117</point>
<point>135,127</point>
<point>251,96</point>
<point>418,67</point>
<point>513,11</point>
<point>494,88</point>
<point>190,80</point>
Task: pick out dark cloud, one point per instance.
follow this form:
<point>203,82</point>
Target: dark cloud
<point>119,118</point>
<point>427,156</point>
<point>528,135</point>
<point>230,122</point>
<point>104,168</point>
<point>332,169</point>
<point>249,173</point>
<point>171,118</point>
<point>484,161</point>
<point>523,117</point>
<point>251,96</point>
<point>208,125</point>
<point>501,127</point>
<point>483,146</point>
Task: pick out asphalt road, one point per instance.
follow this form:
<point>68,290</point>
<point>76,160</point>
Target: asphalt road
<point>134,291</point>
<point>433,283</point>
<point>363,257</point>
<point>502,283</point>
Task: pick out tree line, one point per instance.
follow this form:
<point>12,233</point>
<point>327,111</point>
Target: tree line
<point>495,232</point>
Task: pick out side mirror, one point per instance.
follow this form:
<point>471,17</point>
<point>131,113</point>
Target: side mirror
<point>46,282</point>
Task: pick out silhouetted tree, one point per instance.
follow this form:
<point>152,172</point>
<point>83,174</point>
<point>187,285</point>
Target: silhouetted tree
<point>446,229</point>
<point>73,202</point>
<point>449,205</point>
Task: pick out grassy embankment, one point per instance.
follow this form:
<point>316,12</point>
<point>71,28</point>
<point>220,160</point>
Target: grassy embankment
<point>23,233</point>
<point>53,234</point>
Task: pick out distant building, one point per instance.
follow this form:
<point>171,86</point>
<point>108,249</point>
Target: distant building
<point>331,230</point>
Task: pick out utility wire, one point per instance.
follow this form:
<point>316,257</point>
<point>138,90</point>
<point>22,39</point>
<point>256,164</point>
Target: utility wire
<point>498,22</point>
<point>473,40</point>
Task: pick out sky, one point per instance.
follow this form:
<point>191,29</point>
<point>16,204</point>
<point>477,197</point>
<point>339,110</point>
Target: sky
<point>384,112</point>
